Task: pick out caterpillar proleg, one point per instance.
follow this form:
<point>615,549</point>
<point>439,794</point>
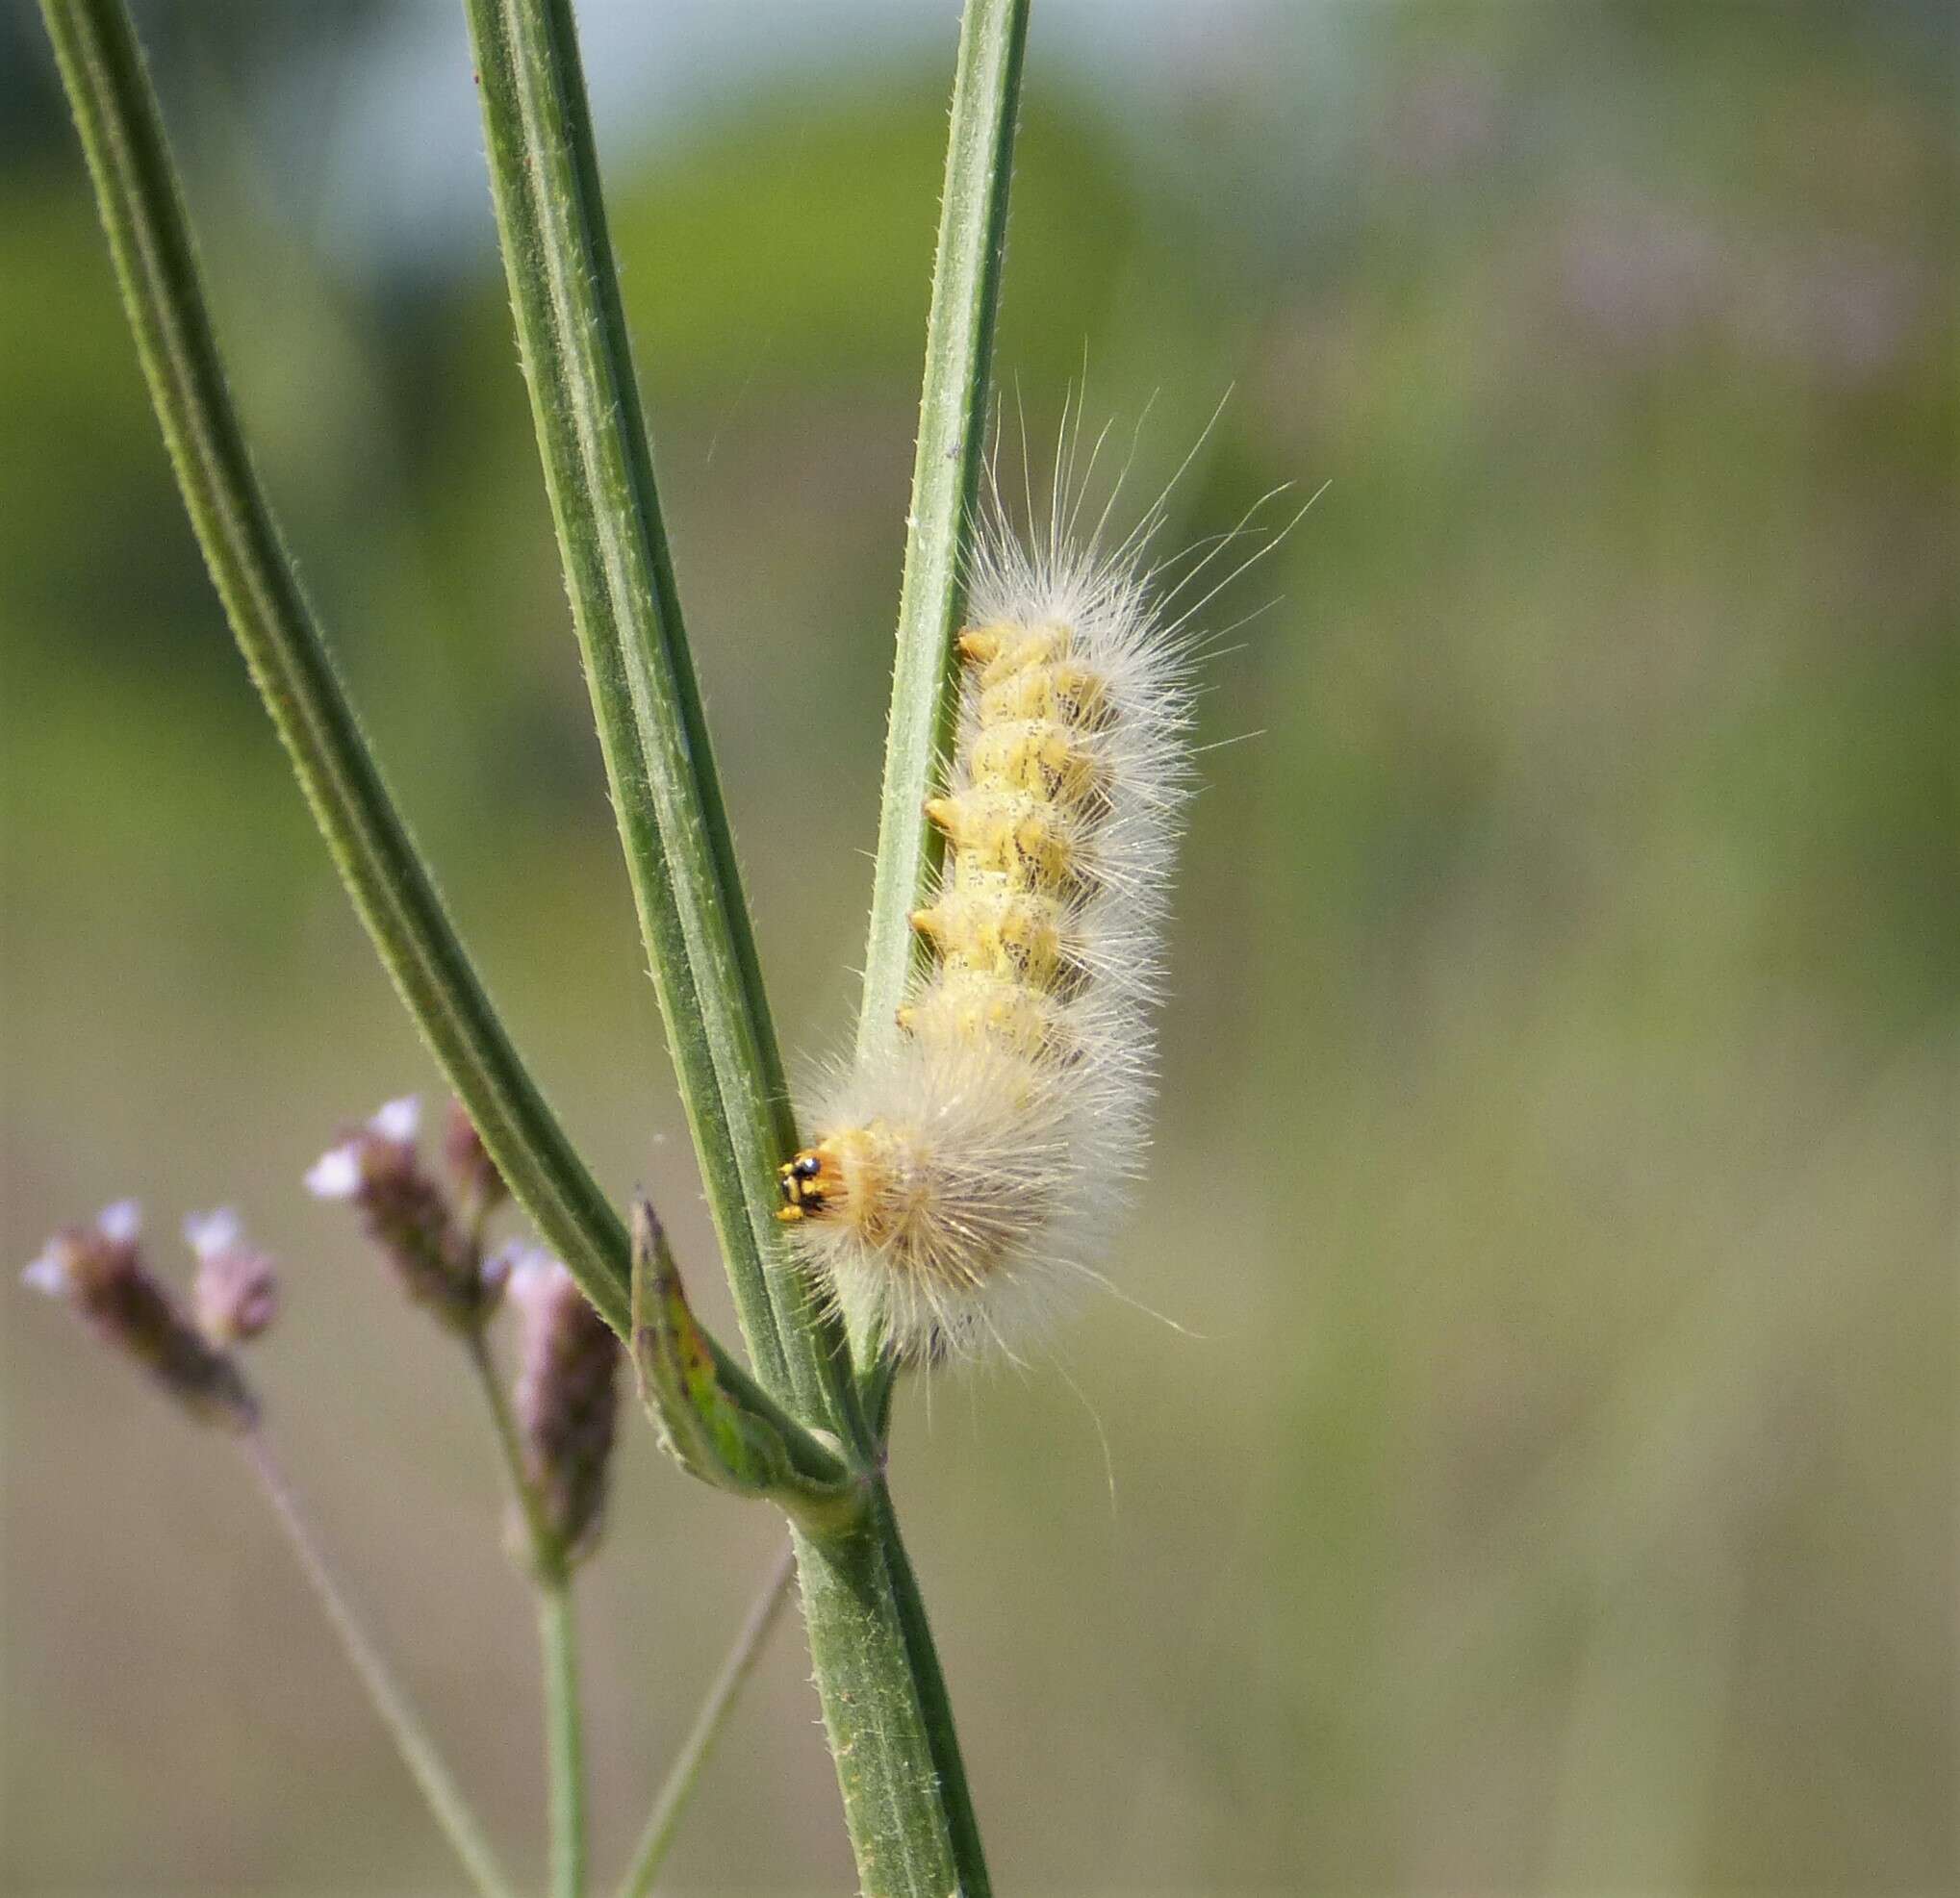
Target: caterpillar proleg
<point>969,1164</point>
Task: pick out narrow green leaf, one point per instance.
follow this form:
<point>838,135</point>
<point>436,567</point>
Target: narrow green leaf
<point>703,1423</point>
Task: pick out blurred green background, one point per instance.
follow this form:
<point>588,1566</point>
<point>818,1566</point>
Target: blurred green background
<point>1557,1154</point>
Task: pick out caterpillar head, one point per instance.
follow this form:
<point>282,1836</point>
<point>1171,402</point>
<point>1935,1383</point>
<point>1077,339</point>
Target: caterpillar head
<point>844,1183</point>
<point>806,1190</point>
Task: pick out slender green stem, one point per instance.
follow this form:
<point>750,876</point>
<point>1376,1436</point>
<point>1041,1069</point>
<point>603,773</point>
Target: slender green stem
<point>682,1776</point>
<point>150,243</point>
<point>571,336</point>
<point>558,1634</point>
<point>404,1724</point>
<point>547,1556</point>
<point>149,239</point>
<point>952,413</point>
<point>564,1741</point>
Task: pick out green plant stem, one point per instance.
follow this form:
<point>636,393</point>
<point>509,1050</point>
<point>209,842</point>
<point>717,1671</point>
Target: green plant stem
<point>149,239</point>
<point>557,1629</point>
<point>564,1741</point>
<point>572,339</point>
<point>952,415</point>
<point>451,1811</point>
<point>664,1820</point>
<point>884,1706</point>
<point>952,412</point>
<point>886,1713</point>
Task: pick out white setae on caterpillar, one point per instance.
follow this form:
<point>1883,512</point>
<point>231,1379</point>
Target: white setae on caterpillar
<point>968,1165</point>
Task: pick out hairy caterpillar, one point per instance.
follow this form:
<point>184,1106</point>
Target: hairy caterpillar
<point>969,1163</point>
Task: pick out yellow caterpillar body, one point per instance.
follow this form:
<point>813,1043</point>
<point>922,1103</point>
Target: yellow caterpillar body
<point>966,1168</point>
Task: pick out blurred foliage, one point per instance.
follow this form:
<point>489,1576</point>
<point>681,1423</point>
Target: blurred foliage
<point>1556,1163</point>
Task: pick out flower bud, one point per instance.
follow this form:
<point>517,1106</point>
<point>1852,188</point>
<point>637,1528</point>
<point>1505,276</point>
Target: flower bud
<point>567,1397</point>
<point>470,1164</point>
<point>378,1168</point>
<point>99,1269</point>
<point>234,1292</point>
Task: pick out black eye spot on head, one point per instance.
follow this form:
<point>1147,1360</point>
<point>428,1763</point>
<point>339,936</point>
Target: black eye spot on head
<point>808,1168</point>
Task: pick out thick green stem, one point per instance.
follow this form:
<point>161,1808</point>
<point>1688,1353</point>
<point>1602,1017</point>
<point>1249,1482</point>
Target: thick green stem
<point>935,1706</point>
<point>156,267</point>
<point>404,1724</point>
<point>888,1716</point>
<point>664,1820</point>
<point>571,336</point>
<point>953,416</point>
<point>564,1742</point>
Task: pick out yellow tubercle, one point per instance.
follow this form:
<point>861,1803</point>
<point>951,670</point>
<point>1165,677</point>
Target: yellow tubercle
<point>1007,834</point>
<point>1006,646</point>
<point>1043,758</point>
<point>981,646</point>
<point>1001,929</point>
<point>1016,934</point>
<point>1063,692</point>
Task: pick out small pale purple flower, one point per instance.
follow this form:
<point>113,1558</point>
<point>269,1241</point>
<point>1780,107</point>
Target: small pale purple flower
<point>234,1292</point>
<point>78,1252</point>
<point>99,1270</point>
<point>400,1121</point>
<point>567,1397</point>
<point>384,1144</point>
<point>337,1173</point>
<point>377,1167</point>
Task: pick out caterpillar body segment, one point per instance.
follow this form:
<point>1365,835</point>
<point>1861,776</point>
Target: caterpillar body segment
<point>967,1168</point>
<point>982,1009</point>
